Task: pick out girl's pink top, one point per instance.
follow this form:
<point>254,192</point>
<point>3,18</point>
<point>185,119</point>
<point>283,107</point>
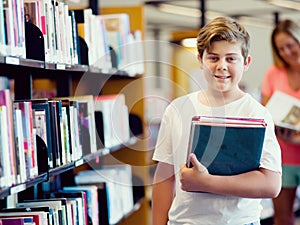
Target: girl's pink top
<point>276,80</point>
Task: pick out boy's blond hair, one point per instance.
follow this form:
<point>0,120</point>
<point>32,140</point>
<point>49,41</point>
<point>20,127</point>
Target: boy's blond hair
<point>223,29</point>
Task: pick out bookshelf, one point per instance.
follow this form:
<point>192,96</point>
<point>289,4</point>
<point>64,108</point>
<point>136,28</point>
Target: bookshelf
<point>70,80</point>
<point>135,155</point>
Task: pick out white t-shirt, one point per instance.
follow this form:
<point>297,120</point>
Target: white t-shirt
<point>190,208</point>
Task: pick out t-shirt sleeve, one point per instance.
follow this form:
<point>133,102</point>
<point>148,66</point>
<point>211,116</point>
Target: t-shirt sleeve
<point>271,155</point>
<point>163,148</point>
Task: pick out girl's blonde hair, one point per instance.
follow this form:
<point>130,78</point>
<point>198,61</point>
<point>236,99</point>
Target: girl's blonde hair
<point>285,26</point>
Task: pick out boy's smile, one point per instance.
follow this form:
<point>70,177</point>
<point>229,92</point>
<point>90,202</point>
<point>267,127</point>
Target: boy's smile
<point>222,77</point>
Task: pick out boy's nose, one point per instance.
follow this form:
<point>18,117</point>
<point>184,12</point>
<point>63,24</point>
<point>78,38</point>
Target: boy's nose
<point>222,65</point>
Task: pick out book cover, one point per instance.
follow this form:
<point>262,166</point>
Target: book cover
<point>227,146</point>
<point>92,207</point>
<point>27,124</point>
<point>112,120</point>
<point>75,39</point>
<point>62,211</point>
<point>2,30</point>
<point>66,129</point>
<point>55,207</point>
<point>40,218</point>
<point>285,110</point>
<point>5,100</point>
<point>80,203</point>
<point>55,133</point>
<point>86,117</point>
<point>77,201</point>
<point>43,118</point>
<point>75,131</point>
<point>12,221</point>
<point>19,146</point>
<point>5,174</point>
<point>43,210</point>
<point>118,185</point>
<point>118,29</point>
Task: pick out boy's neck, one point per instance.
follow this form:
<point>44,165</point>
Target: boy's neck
<point>216,99</point>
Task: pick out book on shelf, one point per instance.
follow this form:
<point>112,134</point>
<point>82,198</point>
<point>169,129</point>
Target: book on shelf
<point>2,30</point>
<point>77,204</point>
<point>118,181</point>
<point>112,120</point>
<point>92,208</point>
<point>87,130</point>
<point>87,120</point>
<point>62,28</point>
<point>27,125</point>
<point>94,45</point>
<point>16,220</point>
<point>42,119</point>
<point>101,52</point>
<point>62,212</point>
<point>5,100</point>
<point>56,207</point>
<point>65,132</point>
<point>83,21</point>
<point>75,130</point>
<point>6,176</point>
<point>118,31</point>
<point>226,146</point>
<point>14,28</point>
<point>79,195</point>
<point>19,146</point>
<point>285,110</point>
<point>32,12</point>
<point>66,129</point>
<point>36,31</point>
<point>44,211</point>
<point>39,217</point>
<point>55,109</point>
<point>75,47</point>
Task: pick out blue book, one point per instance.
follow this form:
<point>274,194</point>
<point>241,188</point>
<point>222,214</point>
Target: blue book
<point>227,146</point>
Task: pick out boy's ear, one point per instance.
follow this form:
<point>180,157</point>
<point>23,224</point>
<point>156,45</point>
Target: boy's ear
<point>247,63</point>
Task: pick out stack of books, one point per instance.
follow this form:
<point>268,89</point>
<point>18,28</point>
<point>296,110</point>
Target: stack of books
<point>227,146</point>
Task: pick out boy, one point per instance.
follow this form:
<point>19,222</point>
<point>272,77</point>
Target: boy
<point>190,196</point>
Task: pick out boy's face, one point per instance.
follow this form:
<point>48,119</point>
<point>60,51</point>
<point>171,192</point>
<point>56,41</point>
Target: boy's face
<point>223,66</point>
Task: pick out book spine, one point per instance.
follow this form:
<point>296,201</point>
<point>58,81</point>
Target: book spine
<point>6,178</point>
<point>2,30</point>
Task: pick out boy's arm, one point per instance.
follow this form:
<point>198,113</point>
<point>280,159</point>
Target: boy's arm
<point>261,183</point>
<point>162,193</point>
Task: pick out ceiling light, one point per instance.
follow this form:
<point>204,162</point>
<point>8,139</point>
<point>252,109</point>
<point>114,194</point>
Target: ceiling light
<point>209,15</point>
<point>186,11</point>
<point>189,42</point>
<point>179,10</point>
<point>286,4</point>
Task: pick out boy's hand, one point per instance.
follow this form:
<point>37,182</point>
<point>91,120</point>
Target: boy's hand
<point>194,178</point>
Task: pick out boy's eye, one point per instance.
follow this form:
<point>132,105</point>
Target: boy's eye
<point>213,58</point>
<point>231,59</point>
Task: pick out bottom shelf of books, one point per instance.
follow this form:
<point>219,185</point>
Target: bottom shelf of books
<point>103,196</point>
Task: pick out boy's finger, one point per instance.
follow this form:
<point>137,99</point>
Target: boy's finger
<point>197,165</point>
